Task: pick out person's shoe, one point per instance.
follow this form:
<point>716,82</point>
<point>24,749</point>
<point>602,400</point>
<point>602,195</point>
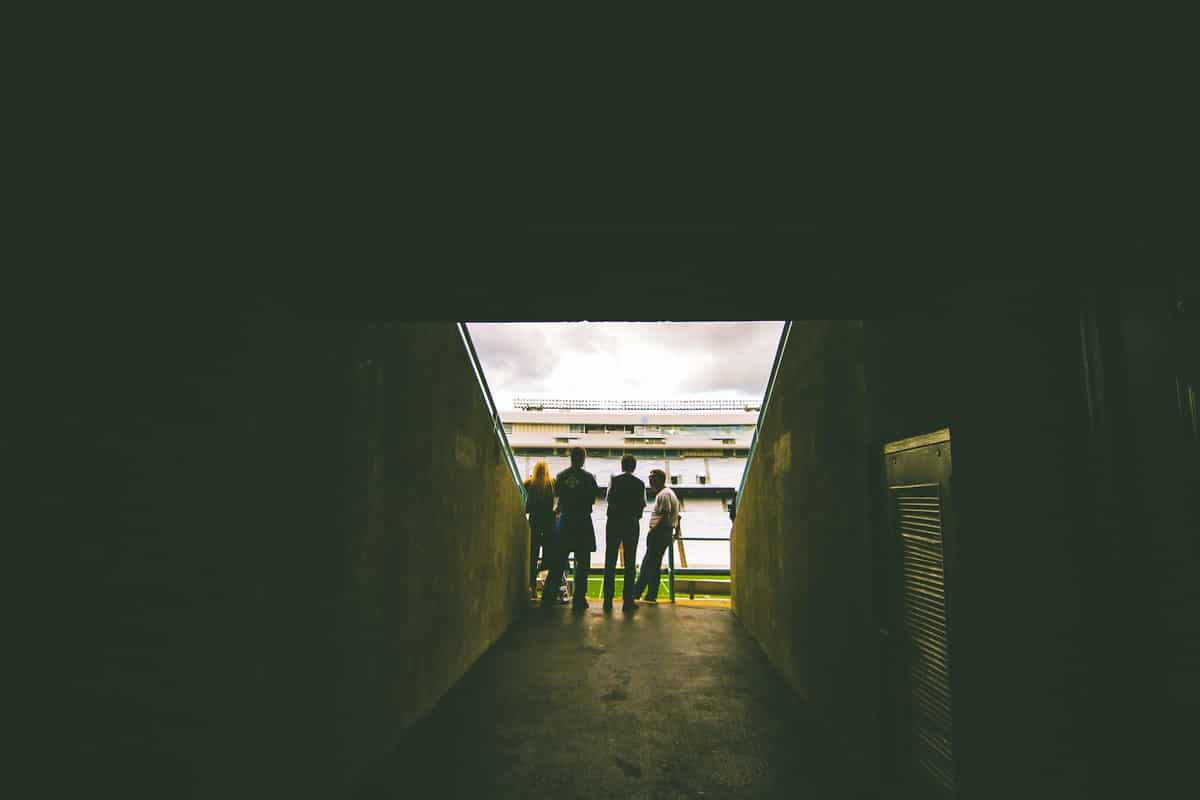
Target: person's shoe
<point>629,605</point>
<point>579,607</point>
<point>608,604</point>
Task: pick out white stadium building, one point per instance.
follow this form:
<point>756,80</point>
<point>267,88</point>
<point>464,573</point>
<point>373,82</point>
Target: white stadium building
<point>701,445</point>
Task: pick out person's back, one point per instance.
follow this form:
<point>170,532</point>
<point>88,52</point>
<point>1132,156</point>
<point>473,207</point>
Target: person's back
<point>576,489</point>
<point>539,502</point>
<point>626,501</point>
<point>539,505</point>
<point>666,509</point>
<point>627,497</point>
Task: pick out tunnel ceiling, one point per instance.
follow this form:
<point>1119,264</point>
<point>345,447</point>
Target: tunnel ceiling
<point>789,267</point>
<point>791,270</point>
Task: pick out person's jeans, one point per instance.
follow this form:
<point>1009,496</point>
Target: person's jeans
<point>558,545</point>
<point>537,541</point>
<point>657,542</point>
<point>617,532</point>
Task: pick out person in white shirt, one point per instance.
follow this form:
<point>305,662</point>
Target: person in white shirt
<point>662,524</point>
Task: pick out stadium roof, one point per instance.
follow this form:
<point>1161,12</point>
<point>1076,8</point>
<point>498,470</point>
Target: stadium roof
<point>528,403</point>
<point>633,417</point>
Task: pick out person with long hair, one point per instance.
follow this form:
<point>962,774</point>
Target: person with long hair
<point>539,505</point>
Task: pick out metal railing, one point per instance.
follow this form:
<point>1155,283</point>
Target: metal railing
<point>677,536</point>
<point>672,570</point>
<point>783,337</point>
<point>497,425</point>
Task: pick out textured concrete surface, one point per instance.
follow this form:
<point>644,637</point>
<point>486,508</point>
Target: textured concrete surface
<point>801,551</point>
<point>437,545</point>
<point>1043,573</point>
<point>287,539</point>
<point>1026,615</point>
<point>666,702</point>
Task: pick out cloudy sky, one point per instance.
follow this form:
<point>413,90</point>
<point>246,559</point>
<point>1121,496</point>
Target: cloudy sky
<point>625,360</point>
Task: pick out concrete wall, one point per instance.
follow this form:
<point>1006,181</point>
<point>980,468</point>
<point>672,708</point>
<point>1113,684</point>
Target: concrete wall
<point>1156,486</point>
<point>276,542</point>
<point>437,558</point>
<point>812,558</point>
<point>801,545</point>
<point>1001,368</point>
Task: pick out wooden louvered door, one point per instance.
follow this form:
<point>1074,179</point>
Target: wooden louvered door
<point>918,482</point>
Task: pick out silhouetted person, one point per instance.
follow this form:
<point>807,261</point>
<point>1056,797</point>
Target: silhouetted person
<point>539,505</point>
<point>576,489</point>
<point>626,501</point>
<point>662,524</point>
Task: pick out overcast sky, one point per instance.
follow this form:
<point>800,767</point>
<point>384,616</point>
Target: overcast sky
<point>625,360</point>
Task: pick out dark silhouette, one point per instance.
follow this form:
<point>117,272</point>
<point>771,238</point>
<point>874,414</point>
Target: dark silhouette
<point>539,505</point>
<point>576,489</point>
<point>662,523</point>
<point>626,501</point>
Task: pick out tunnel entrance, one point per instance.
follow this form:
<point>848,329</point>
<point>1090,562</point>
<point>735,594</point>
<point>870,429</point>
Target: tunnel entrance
<point>680,398</point>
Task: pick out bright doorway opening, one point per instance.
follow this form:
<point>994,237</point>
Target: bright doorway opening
<point>680,397</point>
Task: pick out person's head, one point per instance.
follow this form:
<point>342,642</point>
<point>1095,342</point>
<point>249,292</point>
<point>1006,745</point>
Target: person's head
<point>540,479</point>
<point>578,456</point>
<point>658,479</point>
<point>628,463</point>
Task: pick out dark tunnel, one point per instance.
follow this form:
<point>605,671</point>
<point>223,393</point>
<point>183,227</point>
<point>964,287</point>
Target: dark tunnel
<point>289,548</point>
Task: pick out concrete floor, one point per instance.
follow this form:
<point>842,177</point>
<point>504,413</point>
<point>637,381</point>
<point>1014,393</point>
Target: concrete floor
<point>666,702</point>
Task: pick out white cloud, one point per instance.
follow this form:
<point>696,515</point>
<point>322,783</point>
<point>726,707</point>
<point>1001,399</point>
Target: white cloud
<point>623,360</point>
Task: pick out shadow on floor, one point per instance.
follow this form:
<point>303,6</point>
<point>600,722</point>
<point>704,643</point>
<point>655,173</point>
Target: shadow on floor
<point>666,702</point>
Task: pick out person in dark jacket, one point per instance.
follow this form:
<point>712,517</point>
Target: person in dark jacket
<point>539,505</point>
<point>626,501</point>
<point>576,489</point>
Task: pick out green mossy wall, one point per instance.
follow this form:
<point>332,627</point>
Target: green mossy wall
<point>278,541</point>
<point>801,548</point>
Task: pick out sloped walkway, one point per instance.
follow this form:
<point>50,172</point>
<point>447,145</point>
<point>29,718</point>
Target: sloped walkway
<point>667,702</point>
